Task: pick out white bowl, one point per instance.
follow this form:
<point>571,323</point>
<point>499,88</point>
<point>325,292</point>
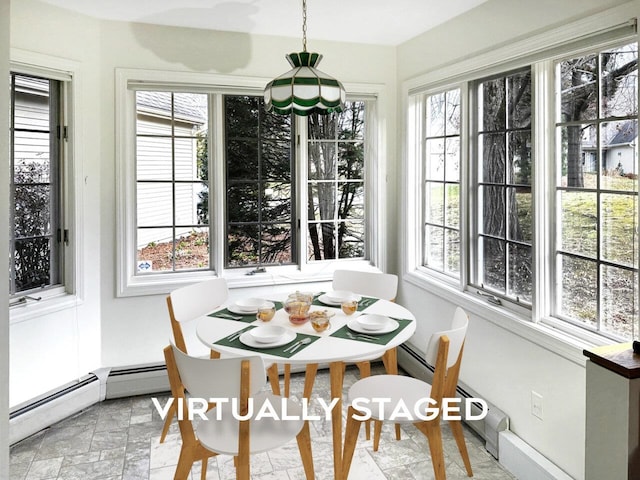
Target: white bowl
<point>250,304</point>
<point>373,322</point>
<point>267,333</point>
<point>339,296</point>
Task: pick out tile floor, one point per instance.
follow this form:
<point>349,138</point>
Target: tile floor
<point>118,440</point>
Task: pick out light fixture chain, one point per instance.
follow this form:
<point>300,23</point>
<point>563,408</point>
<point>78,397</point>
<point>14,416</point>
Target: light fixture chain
<point>304,25</point>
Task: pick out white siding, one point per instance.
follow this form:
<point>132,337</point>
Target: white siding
<point>154,162</point>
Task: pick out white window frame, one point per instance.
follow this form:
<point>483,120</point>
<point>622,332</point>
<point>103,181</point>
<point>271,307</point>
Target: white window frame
<point>130,284</point>
<point>71,293</point>
<point>539,51</point>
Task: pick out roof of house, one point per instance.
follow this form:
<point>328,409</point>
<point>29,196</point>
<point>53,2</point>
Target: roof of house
<point>627,133</point>
<point>185,106</point>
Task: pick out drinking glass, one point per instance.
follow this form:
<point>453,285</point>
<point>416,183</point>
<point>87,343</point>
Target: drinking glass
<point>349,307</point>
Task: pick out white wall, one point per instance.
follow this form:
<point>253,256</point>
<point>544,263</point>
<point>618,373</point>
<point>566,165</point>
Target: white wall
<point>51,349</point>
<point>500,365</point>
<point>4,239</point>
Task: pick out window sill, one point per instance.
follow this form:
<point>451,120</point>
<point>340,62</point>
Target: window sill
<point>546,336</point>
<point>241,278</point>
<point>51,302</point>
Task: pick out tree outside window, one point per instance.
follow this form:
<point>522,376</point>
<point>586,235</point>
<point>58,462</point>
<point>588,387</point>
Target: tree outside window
<point>504,247</point>
<point>335,186</point>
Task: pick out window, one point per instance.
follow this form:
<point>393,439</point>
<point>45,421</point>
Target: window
<point>37,234</point>
<point>260,190</point>
<point>336,190</point>
<point>597,229</point>
<point>442,183</point>
<point>528,178</point>
<point>502,247</point>
<point>171,182</point>
<point>212,184</point>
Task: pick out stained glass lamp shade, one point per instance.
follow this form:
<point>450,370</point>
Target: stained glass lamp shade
<point>304,89</point>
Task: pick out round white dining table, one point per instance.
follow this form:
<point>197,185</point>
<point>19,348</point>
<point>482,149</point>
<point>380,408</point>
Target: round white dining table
<point>326,349</point>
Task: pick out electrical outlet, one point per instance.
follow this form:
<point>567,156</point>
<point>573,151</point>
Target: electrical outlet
<point>536,405</point>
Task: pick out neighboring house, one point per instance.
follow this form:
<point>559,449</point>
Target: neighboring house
<point>154,160</point>
<point>620,153</point>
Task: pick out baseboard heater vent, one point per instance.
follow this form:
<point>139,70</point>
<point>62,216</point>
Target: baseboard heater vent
<point>42,412</point>
<point>140,380</point>
<point>489,428</point>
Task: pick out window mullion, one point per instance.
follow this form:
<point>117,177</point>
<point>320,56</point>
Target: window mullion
<point>217,190</point>
<point>301,159</point>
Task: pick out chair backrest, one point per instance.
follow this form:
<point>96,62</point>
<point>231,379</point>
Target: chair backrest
<point>380,285</point>
<point>444,350</point>
<point>210,378</point>
<point>193,301</point>
<point>456,336</point>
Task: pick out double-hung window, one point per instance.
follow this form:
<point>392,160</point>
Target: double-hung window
<point>37,233</point>
<point>528,177</point>
<point>212,184</point>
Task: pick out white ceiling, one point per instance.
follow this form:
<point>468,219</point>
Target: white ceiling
<point>382,22</point>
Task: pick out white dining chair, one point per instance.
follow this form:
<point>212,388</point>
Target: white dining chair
<point>444,351</point>
<point>185,304</point>
<point>220,432</point>
<point>372,284</point>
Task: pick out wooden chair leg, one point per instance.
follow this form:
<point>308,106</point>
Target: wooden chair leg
<point>377,430</point>
<point>173,410</point>
<point>309,379</point>
<point>365,371</point>
<point>203,472</point>
<point>350,438</point>
<point>287,379</point>
<point>458,434</point>
<point>274,378</point>
<point>434,436</point>
<point>185,462</point>
<point>390,361</point>
<point>304,445</point>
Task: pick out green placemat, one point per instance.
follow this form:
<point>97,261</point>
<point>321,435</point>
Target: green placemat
<point>248,318</point>
<point>364,302</point>
<point>318,302</point>
<point>383,339</point>
<point>234,341</point>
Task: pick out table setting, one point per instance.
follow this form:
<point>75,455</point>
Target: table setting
<point>308,317</point>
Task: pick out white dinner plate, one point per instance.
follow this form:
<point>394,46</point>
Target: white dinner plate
<point>327,301</point>
<point>354,325</point>
<point>249,341</point>
<point>237,310</point>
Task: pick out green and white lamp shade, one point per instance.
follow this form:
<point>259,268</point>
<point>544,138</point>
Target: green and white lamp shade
<point>304,89</point>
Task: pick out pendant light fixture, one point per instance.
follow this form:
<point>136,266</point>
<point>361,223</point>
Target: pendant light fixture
<point>304,89</point>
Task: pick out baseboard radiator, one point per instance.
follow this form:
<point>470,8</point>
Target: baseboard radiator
<point>39,413</point>
<point>489,428</point>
